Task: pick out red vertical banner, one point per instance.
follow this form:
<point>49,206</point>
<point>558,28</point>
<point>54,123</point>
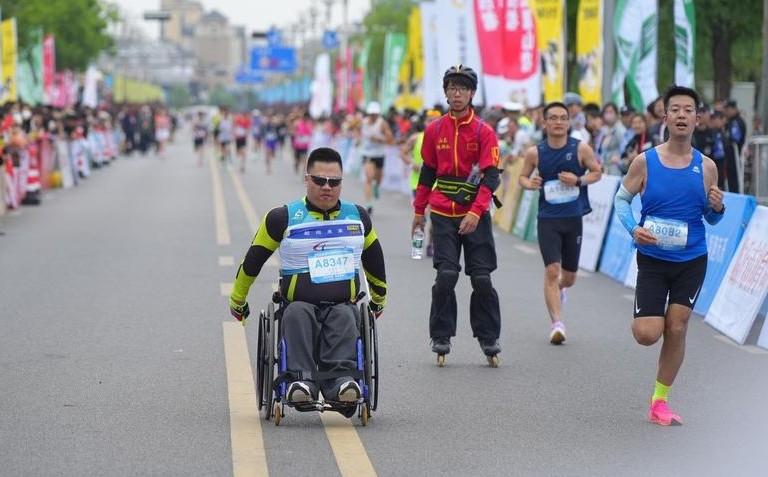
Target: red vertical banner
<point>489,15</point>
<point>49,68</point>
<point>520,39</point>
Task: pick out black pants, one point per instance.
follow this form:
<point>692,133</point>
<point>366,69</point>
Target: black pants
<point>479,262</point>
<point>731,172</point>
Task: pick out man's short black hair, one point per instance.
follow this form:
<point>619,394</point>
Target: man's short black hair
<point>717,115</point>
<point>676,90</point>
<point>555,104</point>
<point>324,154</point>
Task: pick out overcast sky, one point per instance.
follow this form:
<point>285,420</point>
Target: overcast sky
<point>253,14</point>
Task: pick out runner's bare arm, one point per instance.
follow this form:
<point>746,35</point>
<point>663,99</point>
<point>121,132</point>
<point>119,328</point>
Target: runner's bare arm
<point>634,181</point>
<point>588,160</point>
<point>530,163</point>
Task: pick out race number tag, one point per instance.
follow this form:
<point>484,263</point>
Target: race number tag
<point>671,234</point>
<point>332,265</point>
<point>555,192</point>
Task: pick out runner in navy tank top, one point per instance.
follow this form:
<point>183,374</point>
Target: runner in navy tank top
<point>565,166</point>
<point>678,187</point>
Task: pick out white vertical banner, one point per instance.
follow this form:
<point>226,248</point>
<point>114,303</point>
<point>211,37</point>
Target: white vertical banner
<point>91,87</point>
<point>601,195</point>
<point>460,46</point>
<point>745,286</point>
<point>433,75</point>
<point>685,42</point>
<point>321,102</point>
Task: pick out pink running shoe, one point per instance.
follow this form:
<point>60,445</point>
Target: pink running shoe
<point>660,414</point>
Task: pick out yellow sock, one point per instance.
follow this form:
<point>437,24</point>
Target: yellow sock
<point>660,391</point>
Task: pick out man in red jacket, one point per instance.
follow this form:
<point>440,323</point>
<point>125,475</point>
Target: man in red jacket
<point>457,180</point>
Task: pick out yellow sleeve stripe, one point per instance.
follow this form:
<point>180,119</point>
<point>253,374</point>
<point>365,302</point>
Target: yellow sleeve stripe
<point>242,284</point>
<point>370,238</point>
<point>263,239</point>
<point>375,281</point>
<point>378,299</point>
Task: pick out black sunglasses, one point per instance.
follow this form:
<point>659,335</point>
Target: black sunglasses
<point>322,181</point>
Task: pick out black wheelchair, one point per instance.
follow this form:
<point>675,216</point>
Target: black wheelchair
<point>274,378</point>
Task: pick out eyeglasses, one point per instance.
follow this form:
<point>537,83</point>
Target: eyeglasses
<point>322,181</point>
<point>456,89</point>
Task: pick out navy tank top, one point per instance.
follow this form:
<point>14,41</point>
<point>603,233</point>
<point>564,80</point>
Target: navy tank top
<point>557,200</point>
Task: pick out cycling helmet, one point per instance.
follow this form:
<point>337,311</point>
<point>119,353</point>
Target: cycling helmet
<point>463,73</point>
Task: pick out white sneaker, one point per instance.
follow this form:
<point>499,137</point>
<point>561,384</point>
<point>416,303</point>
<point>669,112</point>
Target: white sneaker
<point>349,392</point>
<point>557,333</point>
<point>299,392</point>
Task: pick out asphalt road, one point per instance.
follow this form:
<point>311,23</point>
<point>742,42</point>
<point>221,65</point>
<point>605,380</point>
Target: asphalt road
<point>114,330</point>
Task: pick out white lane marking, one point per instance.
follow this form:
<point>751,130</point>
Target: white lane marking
<point>245,202</point>
<point>748,348</point>
<point>248,454</point>
<point>347,447</point>
<point>226,288</point>
<point>526,249</point>
<point>219,208</point>
<point>226,261</point>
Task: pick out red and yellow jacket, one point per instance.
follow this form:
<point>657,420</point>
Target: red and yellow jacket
<point>451,148</point>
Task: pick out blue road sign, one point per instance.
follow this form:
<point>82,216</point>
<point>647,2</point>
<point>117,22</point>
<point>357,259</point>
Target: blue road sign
<point>330,39</point>
<point>248,76</point>
<point>274,37</point>
<point>276,60</point>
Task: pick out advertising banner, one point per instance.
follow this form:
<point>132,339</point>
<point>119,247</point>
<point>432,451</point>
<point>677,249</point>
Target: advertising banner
<point>362,66</point>
<point>595,223</point>
<point>321,89</point>
<point>722,241</point>
<point>394,52</point>
<point>505,216</point>
<point>685,42</point>
<point>589,50</point>
<point>9,87</point>
<point>550,36</point>
<point>461,46</point>
<point>31,88</point>
<point>618,248</point>
<point>49,68</point>
<point>524,213</point>
<point>275,59</point>
<point>433,70</point>
<point>635,25</point>
<point>745,285</point>
<point>506,32</point>
<point>412,70</point>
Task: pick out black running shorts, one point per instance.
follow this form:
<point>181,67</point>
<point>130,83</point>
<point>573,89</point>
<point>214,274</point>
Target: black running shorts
<point>657,279</point>
<point>560,241</point>
<point>240,142</point>
<point>377,161</point>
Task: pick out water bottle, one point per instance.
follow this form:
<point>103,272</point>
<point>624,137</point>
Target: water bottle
<point>475,176</point>
<point>417,243</point>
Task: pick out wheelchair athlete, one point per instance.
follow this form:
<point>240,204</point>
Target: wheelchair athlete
<point>322,242</point>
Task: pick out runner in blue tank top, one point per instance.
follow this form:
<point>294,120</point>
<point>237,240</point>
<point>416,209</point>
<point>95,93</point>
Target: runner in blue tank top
<point>678,187</point>
<point>565,167</point>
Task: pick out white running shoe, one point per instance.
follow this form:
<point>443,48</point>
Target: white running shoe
<point>557,333</point>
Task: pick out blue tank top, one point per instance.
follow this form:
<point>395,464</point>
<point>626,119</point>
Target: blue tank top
<point>673,203</point>
<point>557,200</point>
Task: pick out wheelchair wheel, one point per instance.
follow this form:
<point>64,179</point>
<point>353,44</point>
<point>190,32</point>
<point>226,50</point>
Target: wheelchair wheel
<point>269,361</point>
<point>371,364</point>
<point>261,360</point>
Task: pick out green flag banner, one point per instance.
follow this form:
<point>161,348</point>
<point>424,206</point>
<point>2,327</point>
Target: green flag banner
<point>30,74</point>
<point>636,29</point>
<point>394,52</point>
<point>685,42</point>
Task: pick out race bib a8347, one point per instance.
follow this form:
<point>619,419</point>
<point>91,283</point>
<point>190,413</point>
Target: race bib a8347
<point>332,265</point>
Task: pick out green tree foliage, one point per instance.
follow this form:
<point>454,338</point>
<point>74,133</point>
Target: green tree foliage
<point>79,26</point>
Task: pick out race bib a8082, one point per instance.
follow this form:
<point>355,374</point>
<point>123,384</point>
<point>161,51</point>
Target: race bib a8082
<point>556,192</point>
<point>332,265</point>
<point>670,234</point>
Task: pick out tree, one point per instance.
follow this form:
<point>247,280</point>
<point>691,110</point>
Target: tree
<point>179,96</point>
<point>79,27</point>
